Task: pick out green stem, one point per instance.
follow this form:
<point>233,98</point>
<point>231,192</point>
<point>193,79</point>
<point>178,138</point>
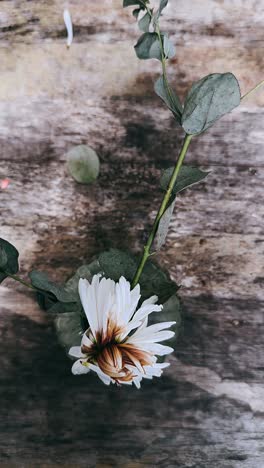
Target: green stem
<point>163,58</point>
<point>163,61</point>
<point>19,280</point>
<point>28,285</point>
<point>253,90</point>
<point>163,208</point>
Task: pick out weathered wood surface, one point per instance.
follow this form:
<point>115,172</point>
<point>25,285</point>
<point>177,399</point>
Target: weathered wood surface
<point>207,411</point>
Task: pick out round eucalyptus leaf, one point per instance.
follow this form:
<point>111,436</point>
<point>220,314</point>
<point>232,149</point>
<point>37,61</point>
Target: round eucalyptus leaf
<point>83,164</point>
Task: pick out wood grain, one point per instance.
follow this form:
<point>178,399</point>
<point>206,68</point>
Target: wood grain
<point>207,410</point>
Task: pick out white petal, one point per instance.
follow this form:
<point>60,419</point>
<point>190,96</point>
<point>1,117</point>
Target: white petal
<point>162,365</point>
<point>150,300</point>
<point>105,299</point>
<point>159,349</point>
<point>145,310</point>
<point>78,368</point>
<point>87,296</point>
<point>159,326</point>
<point>131,326</point>
<point>152,333</point>
<point>154,338</point>
<point>156,370</point>
<point>68,24</point>
<point>137,381</point>
<point>86,341</point>
<point>105,378</point>
<point>134,300</point>
<point>123,382</point>
<point>123,299</point>
<point>76,352</point>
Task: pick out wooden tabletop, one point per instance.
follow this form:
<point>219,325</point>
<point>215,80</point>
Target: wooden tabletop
<point>207,410</point>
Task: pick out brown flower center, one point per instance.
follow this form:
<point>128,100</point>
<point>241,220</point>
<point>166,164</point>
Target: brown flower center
<point>113,357</point>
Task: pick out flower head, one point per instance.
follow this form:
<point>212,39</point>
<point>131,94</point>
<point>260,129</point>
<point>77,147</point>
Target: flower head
<point>119,345</point>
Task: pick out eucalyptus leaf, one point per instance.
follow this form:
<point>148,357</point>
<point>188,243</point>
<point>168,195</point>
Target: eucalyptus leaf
<point>70,328</point>
<point>3,258</point>
<point>136,12</point>
<point>168,47</point>
<point>83,164</point>
<point>148,47</point>
<point>153,281</point>
<point>116,263</point>
<point>163,227</point>
<point>164,91</point>
<point>187,177</point>
<point>208,100</point>
<point>41,281</point>
<point>85,271</point>
<point>162,5</point>
<point>144,23</point>
<point>127,3</point>
<point>8,259</point>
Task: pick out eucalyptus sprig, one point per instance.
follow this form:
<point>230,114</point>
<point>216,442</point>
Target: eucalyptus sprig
<point>99,308</point>
<point>207,101</point>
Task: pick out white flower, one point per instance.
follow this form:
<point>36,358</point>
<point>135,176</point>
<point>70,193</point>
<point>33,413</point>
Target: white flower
<point>118,345</point>
<point>68,24</point>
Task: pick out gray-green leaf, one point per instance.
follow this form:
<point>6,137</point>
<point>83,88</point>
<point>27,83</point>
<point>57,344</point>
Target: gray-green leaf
<point>208,100</point>
<point>148,47</point>
<point>187,176</point>
<point>136,12</point>
<point>83,164</point>
<point>85,271</point>
<point>116,263</point>
<point>8,259</point>
<point>162,5</point>
<point>69,328</point>
<point>164,225</point>
<point>144,23</point>
<point>41,281</point>
<point>164,91</point>
<point>168,47</point>
<point>127,3</point>
<point>154,281</point>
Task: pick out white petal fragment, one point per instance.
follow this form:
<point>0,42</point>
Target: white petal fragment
<point>68,24</point>
<point>76,352</point>
<point>80,368</point>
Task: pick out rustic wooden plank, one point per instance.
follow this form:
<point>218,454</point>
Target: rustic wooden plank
<point>207,411</point>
